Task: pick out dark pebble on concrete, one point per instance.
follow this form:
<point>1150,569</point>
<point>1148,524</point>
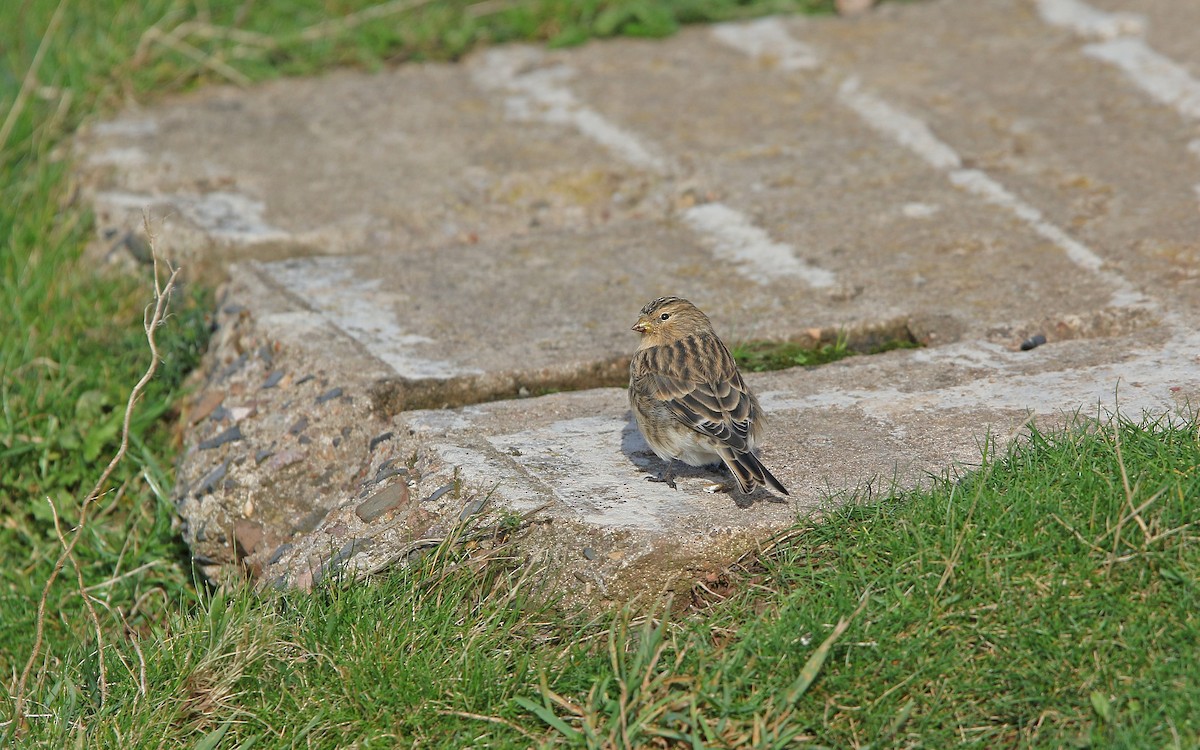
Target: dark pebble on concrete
<point>437,494</point>
<point>329,395</point>
<point>210,480</point>
<point>379,439</point>
<point>1033,342</point>
<point>232,435</point>
<point>387,499</point>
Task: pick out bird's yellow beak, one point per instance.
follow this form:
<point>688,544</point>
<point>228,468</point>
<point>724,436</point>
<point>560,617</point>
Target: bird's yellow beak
<point>642,325</point>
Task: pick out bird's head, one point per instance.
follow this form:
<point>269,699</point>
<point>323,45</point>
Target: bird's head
<point>669,319</point>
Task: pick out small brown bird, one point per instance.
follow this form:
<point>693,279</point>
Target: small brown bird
<point>689,399</point>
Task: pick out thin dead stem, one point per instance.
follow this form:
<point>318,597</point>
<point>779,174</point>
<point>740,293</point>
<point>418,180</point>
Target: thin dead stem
<point>87,599</point>
<point>153,317</point>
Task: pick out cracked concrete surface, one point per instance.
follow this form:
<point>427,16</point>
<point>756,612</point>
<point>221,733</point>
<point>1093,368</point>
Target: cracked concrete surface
<point>481,235</point>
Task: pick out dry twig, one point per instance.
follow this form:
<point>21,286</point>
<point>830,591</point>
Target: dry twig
<point>153,317</point>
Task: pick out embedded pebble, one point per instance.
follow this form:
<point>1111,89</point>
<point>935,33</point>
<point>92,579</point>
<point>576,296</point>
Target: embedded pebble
<point>1033,342</point>
<point>589,553</point>
<point>279,552</point>
<point>233,367</point>
<point>238,413</point>
<point>210,480</point>
<point>300,426</point>
<point>329,395</point>
<point>229,436</point>
<point>205,406</point>
<point>387,499</point>
<point>285,458</point>
<point>273,379</point>
<point>379,439</point>
<point>232,435</point>
<point>247,535</point>
<point>472,508</point>
<point>437,494</point>
<point>390,471</point>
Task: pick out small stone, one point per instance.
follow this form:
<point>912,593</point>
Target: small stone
<point>279,552</point>
<point>1033,342</point>
<point>232,435</point>
<point>262,455</point>
<point>589,553</point>
<point>238,413</point>
<point>387,499</point>
<point>233,367</point>
<point>304,379</point>
<point>379,439</point>
<point>247,535</point>
<point>437,494</point>
<point>210,480</point>
<point>273,379</point>
<point>205,406</point>
<point>300,426</point>
<point>285,458</point>
<point>389,471</point>
<point>329,395</point>
<point>471,508</point>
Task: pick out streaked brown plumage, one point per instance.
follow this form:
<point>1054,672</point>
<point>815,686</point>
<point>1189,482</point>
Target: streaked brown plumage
<point>689,399</point>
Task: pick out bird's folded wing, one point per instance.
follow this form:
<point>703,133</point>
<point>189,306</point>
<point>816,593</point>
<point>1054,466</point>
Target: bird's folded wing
<point>719,410</point>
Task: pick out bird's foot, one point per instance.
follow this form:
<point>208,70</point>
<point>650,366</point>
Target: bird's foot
<point>667,478</point>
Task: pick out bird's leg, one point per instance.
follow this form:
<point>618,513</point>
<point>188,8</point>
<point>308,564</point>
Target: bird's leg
<point>667,477</point>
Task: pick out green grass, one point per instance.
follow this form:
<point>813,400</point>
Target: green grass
<point>763,356</point>
<point>1023,605</point>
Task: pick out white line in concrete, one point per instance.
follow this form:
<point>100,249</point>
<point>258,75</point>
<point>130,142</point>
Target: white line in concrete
<point>993,192</point>
<point>767,40</point>
<point>1141,382</point>
<point>1085,20</point>
<point>222,214</point>
<point>336,290</point>
<point>540,93</point>
<point>736,240</point>
<point>902,127</point>
<point>917,137</point>
<point>1164,80</point>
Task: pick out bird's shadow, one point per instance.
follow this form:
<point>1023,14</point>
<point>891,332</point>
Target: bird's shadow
<point>639,453</point>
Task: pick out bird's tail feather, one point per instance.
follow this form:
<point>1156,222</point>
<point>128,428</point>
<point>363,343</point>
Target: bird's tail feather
<point>751,472</point>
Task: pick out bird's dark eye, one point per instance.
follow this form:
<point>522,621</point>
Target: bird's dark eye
<point>664,316</point>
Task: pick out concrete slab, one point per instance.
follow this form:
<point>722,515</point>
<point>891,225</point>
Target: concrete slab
<point>965,174</point>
